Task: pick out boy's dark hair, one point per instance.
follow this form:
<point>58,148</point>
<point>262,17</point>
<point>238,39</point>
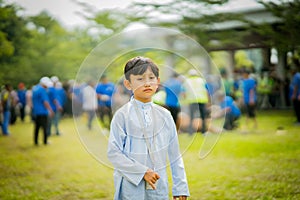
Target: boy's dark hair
<point>138,66</point>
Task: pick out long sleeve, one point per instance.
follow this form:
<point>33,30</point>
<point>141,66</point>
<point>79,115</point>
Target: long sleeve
<point>180,185</point>
<point>129,153</point>
<point>131,169</point>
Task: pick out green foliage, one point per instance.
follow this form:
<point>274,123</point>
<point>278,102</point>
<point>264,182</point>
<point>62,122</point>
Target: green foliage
<point>38,46</point>
<point>7,48</point>
<point>285,33</point>
<point>12,32</point>
<point>220,58</point>
<point>242,60</point>
<point>195,18</point>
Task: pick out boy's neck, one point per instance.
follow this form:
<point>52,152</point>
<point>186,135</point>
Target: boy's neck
<point>141,101</point>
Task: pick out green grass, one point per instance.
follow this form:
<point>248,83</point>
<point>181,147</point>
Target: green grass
<point>260,164</point>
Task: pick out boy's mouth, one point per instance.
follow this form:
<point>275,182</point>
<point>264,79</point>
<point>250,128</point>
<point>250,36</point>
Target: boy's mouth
<point>148,90</point>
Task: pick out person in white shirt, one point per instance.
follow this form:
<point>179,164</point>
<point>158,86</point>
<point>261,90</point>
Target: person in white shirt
<point>90,103</point>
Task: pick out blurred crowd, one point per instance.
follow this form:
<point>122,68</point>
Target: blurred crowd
<point>192,100</point>
<point>44,103</point>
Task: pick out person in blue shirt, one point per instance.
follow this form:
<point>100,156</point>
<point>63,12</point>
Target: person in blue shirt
<point>55,106</point>
<point>41,108</point>
<point>76,98</point>
<point>105,91</point>
<point>142,136</point>
<point>22,100</point>
<point>173,88</point>
<point>295,93</point>
<point>228,109</point>
<point>61,94</point>
<point>60,98</point>
<point>249,96</point>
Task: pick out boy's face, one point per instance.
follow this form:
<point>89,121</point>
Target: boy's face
<point>143,86</point>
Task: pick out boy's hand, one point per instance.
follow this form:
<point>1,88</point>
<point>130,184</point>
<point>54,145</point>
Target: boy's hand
<point>151,177</point>
<point>180,198</point>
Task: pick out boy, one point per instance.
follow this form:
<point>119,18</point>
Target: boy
<point>142,136</point>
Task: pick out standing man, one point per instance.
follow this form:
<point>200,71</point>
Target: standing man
<point>249,94</point>
<point>197,96</point>
<point>41,108</point>
<point>61,98</point>
<point>89,104</point>
<point>173,88</point>
<point>296,94</point>
<point>55,105</point>
<point>22,100</point>
<point>105,90</point>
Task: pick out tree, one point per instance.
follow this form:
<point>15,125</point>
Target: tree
<point>196,18</point>
<point>13,34</point>
<point>36,46</point>
<point>284,34</point>
<point>104,23</point>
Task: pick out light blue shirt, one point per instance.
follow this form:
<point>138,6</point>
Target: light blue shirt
<point>128,152</point>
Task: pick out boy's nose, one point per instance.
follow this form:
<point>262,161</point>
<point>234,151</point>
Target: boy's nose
<point>147,84</point>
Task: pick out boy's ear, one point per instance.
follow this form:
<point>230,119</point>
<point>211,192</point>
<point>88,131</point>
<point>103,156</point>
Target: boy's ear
<point>127,84</point>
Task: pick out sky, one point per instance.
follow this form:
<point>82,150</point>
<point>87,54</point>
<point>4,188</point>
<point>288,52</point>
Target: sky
<point>65,10</point>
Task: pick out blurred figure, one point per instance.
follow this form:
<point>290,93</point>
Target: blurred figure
<point>29,103</point>
<point>275,84</point>
<point>52,99</point>
<point>173,88</point>
<point>41,108</point>
<point>1,111</point>
<point>228,83</point>
<point>67,86</point>
<point>55,105</point>
<point>249,94</point>
<point>237,88</point>
<point>197,96</point>
<point>22,100</point>
<point>295,96</point>
<point>263,91</point>
<point>228,109</point>
<point>159,97</point>
<point>120,97</point>
<point>90,104</point>
<point>76,96</point>
<point>6,101</point>
<point>14,106</point>
<point>105,90</point>
<point>62,93</point>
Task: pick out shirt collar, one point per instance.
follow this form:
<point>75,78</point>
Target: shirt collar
<point>142,105</point>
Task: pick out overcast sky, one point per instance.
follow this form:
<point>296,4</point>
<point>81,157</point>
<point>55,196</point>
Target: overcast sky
<point>65,10</point>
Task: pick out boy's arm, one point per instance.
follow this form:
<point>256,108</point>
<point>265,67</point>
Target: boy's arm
<point>180,185</point>
<point>132,170</point>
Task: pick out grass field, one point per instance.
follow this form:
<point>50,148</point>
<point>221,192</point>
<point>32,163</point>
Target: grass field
<point>259,164</point>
